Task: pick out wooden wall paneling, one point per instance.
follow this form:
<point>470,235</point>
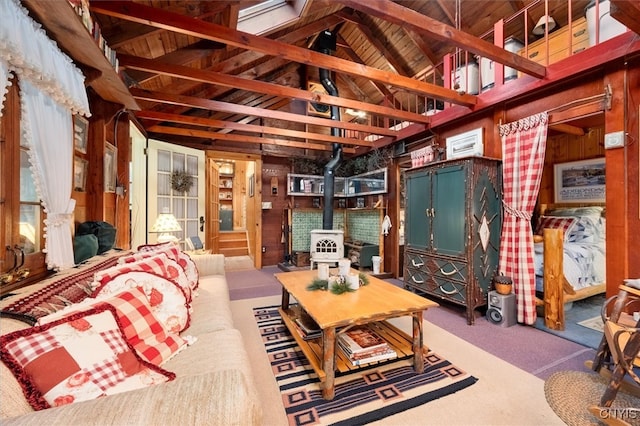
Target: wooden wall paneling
<point>274,219</point>
<point>633,161</point>
<point>122,220</point>
<point>617,258</point>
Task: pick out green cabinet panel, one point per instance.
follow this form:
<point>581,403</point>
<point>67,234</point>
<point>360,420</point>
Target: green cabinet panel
<point>448,201</point>
<point>417,232</point>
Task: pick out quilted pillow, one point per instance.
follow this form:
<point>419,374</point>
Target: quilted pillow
<point>174,271</point>
<point>174,252</point>
<point>91,357</point>
<point>555,222</point>
<point>158,264</point>
<point>166,298</point>
<point>143,331</point>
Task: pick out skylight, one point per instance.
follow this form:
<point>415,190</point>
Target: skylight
<point>270,15</point>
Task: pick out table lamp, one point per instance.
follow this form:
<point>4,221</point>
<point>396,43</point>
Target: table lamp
<point>165,223</point>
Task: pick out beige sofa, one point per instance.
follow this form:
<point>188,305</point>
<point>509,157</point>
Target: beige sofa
<point>213,385</point>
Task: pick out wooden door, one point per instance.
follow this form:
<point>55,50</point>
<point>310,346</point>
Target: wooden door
<point>213,206</point>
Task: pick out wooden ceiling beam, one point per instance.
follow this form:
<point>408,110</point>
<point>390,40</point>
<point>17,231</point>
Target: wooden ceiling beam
<point>250,128</point>
<point>381,88</point>
<point>244,139</point>
<point>389,57</point>
<point>626,12</point>
<point>193,102</point>
<point>175,22</point>
<point>403,16</point>
<point>263,87</point>
<point>422,44</point>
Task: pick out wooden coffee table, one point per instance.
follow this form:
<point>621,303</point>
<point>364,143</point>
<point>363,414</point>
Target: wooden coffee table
<point>372,304</point>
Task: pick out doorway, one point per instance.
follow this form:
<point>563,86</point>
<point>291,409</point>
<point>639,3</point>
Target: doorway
<point>233,203</point>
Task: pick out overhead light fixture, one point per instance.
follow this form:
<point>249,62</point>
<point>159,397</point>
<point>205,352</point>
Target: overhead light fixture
<point>165,223</point>
<point>355,113</point>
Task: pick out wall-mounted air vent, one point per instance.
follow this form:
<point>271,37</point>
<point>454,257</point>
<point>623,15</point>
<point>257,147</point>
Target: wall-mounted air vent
<point>465,144</point>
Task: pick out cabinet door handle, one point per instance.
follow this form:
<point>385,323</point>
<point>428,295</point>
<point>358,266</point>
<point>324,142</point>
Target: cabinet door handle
<point>433,212</point>
<point>578,50</point>
<point>446,274</point>
<point>579,33</point>
<point>454,291</point>
<point>417,281</point>
<point>417,265</point>
<point>534,54</point>
<point>427,213</point>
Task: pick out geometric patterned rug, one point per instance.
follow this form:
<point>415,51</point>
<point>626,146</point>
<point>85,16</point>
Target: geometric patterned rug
<point>366,395</point>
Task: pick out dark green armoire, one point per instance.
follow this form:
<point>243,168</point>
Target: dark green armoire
<point>453,219</point>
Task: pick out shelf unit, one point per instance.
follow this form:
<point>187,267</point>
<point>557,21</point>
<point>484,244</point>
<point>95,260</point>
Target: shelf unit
<point>66,27</point>
<point>225,190</point>
<point>398,340</point>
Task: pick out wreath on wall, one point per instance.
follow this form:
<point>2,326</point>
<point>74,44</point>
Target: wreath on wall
<point>181,181</point>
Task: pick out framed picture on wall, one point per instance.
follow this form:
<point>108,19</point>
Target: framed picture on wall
<point>80,167</point>
<point>110,167</point>
<point>252,178</point>
<point>80,133</point>
<point>580,181</point>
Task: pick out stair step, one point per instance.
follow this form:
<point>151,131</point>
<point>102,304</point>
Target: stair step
<point>229,252</point>
<point>233,244</point>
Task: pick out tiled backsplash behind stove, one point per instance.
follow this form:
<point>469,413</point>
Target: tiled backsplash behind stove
<point>363,225</point>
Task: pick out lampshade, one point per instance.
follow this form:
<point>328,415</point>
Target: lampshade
<point>544,20</point>
<point>165,223</point>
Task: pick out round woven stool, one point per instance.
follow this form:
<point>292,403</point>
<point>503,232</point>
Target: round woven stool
<point>571,393</point>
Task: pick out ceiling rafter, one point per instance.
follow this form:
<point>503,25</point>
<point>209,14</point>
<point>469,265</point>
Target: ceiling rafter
<point>213,105</point>
<point>179,23</point>
<point>264,87</point>
<point>396,13</point>
<point>250,128</point>
<point>244,139</point>
<point>389,57</point>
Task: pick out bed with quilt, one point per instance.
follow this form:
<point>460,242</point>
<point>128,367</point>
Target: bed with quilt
<point>569,245</point>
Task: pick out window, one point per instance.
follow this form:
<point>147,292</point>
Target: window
<point>21,212</point>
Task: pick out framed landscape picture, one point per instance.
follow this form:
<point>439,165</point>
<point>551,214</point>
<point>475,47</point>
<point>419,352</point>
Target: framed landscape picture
<point>80,167</point>
<point>80,133</point>
<point>110,167</point>
<point>580,181</point>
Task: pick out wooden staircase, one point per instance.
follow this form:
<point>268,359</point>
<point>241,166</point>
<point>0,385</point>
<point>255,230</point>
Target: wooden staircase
<point>233,243</point>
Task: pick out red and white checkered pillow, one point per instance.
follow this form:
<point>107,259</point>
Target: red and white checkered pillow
<point>168,268</point>
<point>166,298</point>
<point>142,329</point>
<point>555,222</point>
<point>77,358</point>
<point>174,252</point>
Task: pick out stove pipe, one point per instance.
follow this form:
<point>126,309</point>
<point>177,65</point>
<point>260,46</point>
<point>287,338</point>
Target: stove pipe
<point>325,43</point>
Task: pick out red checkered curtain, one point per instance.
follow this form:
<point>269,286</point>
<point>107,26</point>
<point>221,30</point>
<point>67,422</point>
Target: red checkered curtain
<point>523,147</point>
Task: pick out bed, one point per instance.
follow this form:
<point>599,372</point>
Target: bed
<point>569,246</point>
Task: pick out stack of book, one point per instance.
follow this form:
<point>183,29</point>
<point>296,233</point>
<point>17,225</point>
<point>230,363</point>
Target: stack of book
<point>307,327</point>
<point>362,345</point>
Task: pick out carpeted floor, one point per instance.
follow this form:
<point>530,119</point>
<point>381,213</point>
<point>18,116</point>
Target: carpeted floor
<point>503,395</point>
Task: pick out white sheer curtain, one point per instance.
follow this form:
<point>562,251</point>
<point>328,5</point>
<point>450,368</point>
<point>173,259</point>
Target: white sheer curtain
<point>27,50</point>
<point>52,89</point>
<point>52,161</point>
<point>4,82</point>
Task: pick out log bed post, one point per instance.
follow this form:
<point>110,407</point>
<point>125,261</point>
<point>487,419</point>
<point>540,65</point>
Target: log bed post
<point>553,279</point>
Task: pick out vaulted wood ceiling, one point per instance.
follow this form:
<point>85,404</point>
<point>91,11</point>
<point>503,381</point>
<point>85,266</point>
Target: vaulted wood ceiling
<point>201,82</point>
